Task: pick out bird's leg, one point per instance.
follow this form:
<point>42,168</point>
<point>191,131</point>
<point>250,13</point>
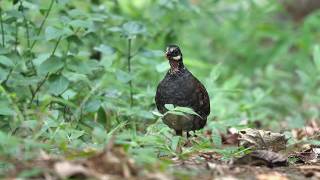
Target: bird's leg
<point>179,132</point>
<point>188,134</point>
<point>194,133</point>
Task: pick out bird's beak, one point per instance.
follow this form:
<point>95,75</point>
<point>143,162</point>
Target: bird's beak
<point>167,55</point>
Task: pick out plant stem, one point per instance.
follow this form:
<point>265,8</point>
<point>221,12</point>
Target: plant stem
<point>2,30</point>
<point>16,37</point>
<point>8,76</point>
<point>42,23</point>
<point>129,70</point>
<point>41,83</point>
<point>25,24</point>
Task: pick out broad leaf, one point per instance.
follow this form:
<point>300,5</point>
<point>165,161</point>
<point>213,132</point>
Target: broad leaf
<point>51,65</point>
<point>55,33</point>
<point>58,84</point>
<point>6,61</point>
<point>175,143</point>
<point>5,109</point>
<point>92,105</point>
<point>169,106</point>
<point>186,110</point>
<point>104,49</point>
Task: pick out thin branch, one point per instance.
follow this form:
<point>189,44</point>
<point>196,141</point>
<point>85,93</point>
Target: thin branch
<point>8,76</point>
<point>129,70</point>
<point>41,83</point>
<point>16,37</point>
<point>38,87</point>
<point>2,29</point>
<point>42,23</point>
<point>25,24</point>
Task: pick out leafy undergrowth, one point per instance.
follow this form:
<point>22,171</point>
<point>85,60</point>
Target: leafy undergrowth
<point>74,74</point>
<point>191,158</point>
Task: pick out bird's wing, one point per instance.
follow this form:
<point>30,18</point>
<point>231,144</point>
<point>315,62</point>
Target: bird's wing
<point>159,101</point>
<point>203,107</point>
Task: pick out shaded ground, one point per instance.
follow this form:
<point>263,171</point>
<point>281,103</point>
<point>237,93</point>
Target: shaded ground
<point>207,166</point>
<point>115,164</point>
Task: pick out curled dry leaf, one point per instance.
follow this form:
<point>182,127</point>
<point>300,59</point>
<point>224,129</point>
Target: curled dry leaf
<point>260,139</point>
<point>262,158</point>
<point>309,155</point>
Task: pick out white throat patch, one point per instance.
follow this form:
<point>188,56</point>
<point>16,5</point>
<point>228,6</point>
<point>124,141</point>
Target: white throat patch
<point>176,58</point>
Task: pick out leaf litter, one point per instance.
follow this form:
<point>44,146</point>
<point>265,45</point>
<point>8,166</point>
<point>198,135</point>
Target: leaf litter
<point>267,157</point>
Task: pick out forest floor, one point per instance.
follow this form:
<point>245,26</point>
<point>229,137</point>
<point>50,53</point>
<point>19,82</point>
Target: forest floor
<point>212,168</point>
<point>114,163</point>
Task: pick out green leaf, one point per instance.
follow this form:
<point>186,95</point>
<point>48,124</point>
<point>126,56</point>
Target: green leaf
<point>6,61</point>
<point>123,76</point>
<point>3,74</point>
<point>131,29</point>
<point>51,65</point>
<point>162,67</point>
<point>55,33</point>
<point>186,110</point>
<point>92,105</point>
<point>75,134</point>
<point>316,56</point>
<point>156,113</point>
<point>104,49</point>
<point>6,110</point>
<point>169,106</point>
<point>81,24</point>
<point>58,84</point>
<point>176,113</point>
<point>63,2</point>
<point>175,142</point>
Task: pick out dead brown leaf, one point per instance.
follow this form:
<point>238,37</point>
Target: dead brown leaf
<point>260,139</point>
<point>262,158</point>
<point>307,156</point>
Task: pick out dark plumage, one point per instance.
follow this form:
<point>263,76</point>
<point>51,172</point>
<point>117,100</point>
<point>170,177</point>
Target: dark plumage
<point>180,88</point>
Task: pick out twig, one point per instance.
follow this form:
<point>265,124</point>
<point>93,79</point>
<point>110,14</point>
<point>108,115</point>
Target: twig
<point>42,23</point>
<point>25,24</point>
<point>2,30</point>
<point>129,71</point>
<point>8,76</point>
<point>16,37</point>
<point>41,83</point>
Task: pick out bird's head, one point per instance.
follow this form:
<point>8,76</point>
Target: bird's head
<point>173,53</point>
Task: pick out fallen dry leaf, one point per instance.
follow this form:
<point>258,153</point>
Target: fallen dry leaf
<point>260,139</point>
<point>262,157</point>
<point>307,156</point>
